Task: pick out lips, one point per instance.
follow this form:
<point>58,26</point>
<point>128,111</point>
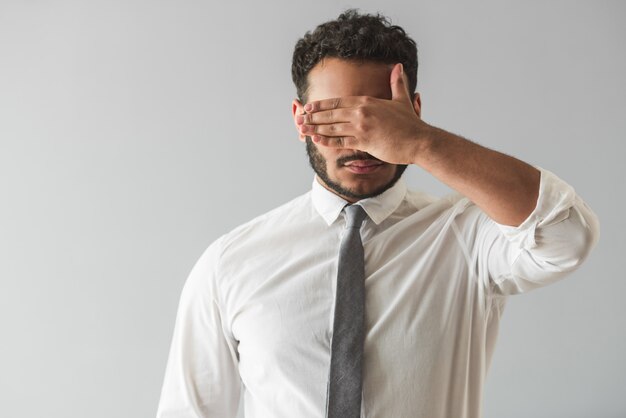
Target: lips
<point>363,163</point>
<point>364,166</point>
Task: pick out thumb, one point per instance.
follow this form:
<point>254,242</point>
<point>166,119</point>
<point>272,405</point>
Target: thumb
<point>398,87</point>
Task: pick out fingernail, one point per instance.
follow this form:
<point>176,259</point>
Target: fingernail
<point>308,107</point>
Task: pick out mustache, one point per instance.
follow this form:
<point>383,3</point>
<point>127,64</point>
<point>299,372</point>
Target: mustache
<point>354,157</point>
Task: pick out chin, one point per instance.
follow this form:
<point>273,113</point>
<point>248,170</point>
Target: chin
<point>365,183</point>
<point>351,185</point>
<point>381,174</point>
<point>362,185</point>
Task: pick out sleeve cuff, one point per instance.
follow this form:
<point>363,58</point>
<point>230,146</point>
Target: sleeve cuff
<point>555,199</point>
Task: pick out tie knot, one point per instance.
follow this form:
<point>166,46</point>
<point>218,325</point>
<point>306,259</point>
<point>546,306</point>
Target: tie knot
<point>355,214</point>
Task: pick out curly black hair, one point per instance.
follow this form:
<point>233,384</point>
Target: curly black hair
<point>357,37</point>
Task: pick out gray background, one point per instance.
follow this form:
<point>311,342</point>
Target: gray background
<point>134,133</point>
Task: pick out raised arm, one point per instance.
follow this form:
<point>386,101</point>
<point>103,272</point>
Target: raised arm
<point>532,227</point>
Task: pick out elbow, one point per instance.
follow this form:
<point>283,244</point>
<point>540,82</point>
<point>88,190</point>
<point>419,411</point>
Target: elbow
<point>583,247</point>
<point>582,239</point>
<point>590,236</point>
<point>565,245</point>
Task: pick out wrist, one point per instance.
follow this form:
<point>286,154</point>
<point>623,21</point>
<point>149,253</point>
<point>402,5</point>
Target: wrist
<point>423,142</point>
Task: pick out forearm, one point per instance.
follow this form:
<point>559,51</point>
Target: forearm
<point>505,188</point>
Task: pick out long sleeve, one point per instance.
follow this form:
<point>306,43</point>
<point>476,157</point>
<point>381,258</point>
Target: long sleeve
<point>551,242</point>
<point>201,377</point>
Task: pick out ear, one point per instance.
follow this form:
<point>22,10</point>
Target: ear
<point>297,108</point>
<point>417,104</point>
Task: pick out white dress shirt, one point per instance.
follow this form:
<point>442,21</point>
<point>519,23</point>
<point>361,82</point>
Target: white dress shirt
<point>255,314</point>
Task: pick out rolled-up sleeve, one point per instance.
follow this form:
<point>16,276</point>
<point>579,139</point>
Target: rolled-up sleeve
<point>551,242</point>
<point>201,376</point>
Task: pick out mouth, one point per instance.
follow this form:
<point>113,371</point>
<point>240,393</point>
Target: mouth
<point>363,166</point>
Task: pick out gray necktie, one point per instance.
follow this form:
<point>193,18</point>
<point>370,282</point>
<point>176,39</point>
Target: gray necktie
<point>343,397</point>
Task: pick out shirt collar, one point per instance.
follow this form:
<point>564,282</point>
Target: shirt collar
<point>378,208</point>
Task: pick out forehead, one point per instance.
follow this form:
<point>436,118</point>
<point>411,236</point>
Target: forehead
<point>335,77</point>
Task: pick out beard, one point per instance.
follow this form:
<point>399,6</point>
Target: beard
<point>319,165</point>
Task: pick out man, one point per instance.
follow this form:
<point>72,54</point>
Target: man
<point>272,309</point>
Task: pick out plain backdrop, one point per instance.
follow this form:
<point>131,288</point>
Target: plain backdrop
<point>134,133</point>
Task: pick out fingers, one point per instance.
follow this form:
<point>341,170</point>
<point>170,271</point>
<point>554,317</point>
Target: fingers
<point>335,122</point>
<point>399,89</point>
<point>331,129</point>
<point>326,116</point>
<point>334,103</point>
<point>330,122</point>
<point>335,142</point>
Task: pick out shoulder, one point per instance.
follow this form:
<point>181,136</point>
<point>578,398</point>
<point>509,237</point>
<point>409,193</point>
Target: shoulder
<point>453,202</point>
<point>296,209</point>
<point>444,211</point>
